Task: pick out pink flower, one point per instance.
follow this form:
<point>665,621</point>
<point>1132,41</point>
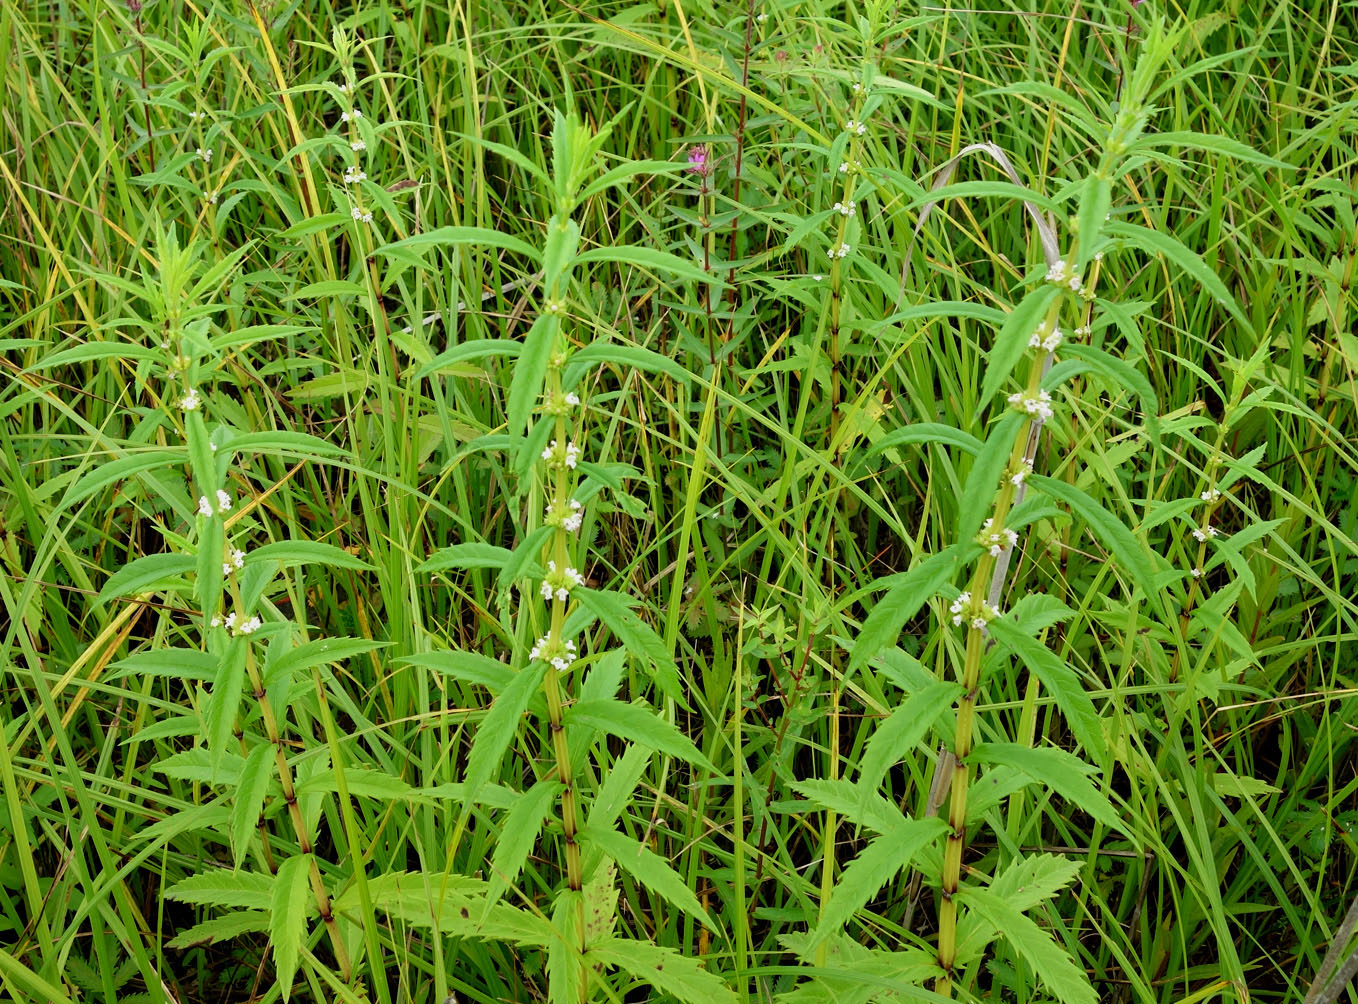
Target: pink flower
<point>697,161</point>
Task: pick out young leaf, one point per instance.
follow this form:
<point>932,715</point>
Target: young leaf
<point>287,918</point>
<point>215,929</point>
<point>650,870</point>
<point>473,555</point>
<point>907,592</point>
<point>679,976</point>
<point>873,868</point>
<point>1055,968</point>
<point>1094,203</point>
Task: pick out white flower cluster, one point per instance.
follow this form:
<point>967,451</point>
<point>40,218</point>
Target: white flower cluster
<point>560,583</point>
<point>560,659</point>
<point>996,540</point>
<point>857,128</point>
<point>236,563</point>
<point>1039,405</point>
<point>237,626</point>
<point>848,167</point>
<point>562,456</point>
<point>846,208</point>
<point>962,610</point>
<point>204,155</point>
<point>839,252</point>
<point>351,116</point>
<point>1202,533</point>
<point>353,174</point>
<point>1081,332</point>
<point>1211,495</point>
<point>197,116</point>
<point>191,400</point>
<point>1025,468</point>
<point>1061,275</point>
<point>223,504</point>
<point>212,197</point>
<point>566,515</point>
<point>560,403</point>
<point>360,215</point>
<point>1045,340</point>
<point>357,145</point>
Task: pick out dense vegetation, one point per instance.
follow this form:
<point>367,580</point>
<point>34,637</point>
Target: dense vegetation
<point>675,500</point>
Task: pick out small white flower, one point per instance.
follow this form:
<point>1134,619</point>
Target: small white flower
<point>1196,573</point>
<point>342,88</point>
<point>230,621</point>
<point>353,174</point>
<point>215,622</point>
<point>204,506</point>
<point>1060,274</point>
<point>358,145</point>
<point>846,208</point>
<point>857,88</point>
<point>223,501</point>
<point>190,401</point>
<point>958,606</point>
<point>250,626</point>
<point>1213,532</point>
<point>212,197</point>
<point>214,447</point>
<point>567,456</point>
<point>1039,406</point>
<point>545,589</point>
<point>762,18</point>
<point>844,167</point>
<point>204,155</point>
<point>197,116</point>
<point>573,399</point>
<point>1211,495</point>
<point>857,128</point>
<point>818,277</point>
<point>840,252</point>
<point>978,623</point>
<point>1018,477</point>
<point>237,559</point>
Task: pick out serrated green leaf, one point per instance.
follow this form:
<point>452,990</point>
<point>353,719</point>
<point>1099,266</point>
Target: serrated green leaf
<point>669,972</point>
<point>644,257</point>
<point>473,555</point>
<point>143,574</point>
<point>618,783</point>
<point>458,236</point>
<point>896,737</point>
<point>650,870</point>
<point>224,887</point>
<point>636,636</point>
<point>1095,201</point>
<point>859,806</point>
<point>1055,968</point>
<point>287,918</point>
<point>305,552</point>
<point>906,593</point>
<point>219,718</point>
<point>624,357</point>
<point>1063,772</point>
<point>518,834</point>
<point>637,724</point>
<point>175,663</point>
<point>987,471</point>
<point>470,667</point>
<point>478,348</point>
<point>1174,250</point>
<point>1060,681</point>
<point>1110,531</point>
<point>530,370</point>
<point>500,726</point>
<point>215,929</point>
<point>249,798</point>
<point>928,432</point>
<point>873,868</point>
<point>318,652</point>
<point>1012,341</point>
<point>566,971</point>
<point>91,351</point>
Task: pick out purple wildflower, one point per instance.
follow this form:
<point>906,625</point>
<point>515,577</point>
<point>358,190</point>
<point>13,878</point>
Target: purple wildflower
<point>697,161</point>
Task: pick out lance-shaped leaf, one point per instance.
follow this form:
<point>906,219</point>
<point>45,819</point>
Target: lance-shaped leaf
<point>650,870</point>
<point>287,918</point>
<point>906,593</point>
<point>500,726</point>
<point>636,636</point>
<point>1063,772</point>
<point>677,975</point>
<point>1054,967</point>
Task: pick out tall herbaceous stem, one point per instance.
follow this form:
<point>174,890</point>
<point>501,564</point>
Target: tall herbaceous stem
<point>975,607</point>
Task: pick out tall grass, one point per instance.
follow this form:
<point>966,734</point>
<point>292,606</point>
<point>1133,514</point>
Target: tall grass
<point>774,270</point>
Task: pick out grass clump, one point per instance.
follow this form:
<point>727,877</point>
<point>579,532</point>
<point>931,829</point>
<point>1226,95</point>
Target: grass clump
<point>787,502</point>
